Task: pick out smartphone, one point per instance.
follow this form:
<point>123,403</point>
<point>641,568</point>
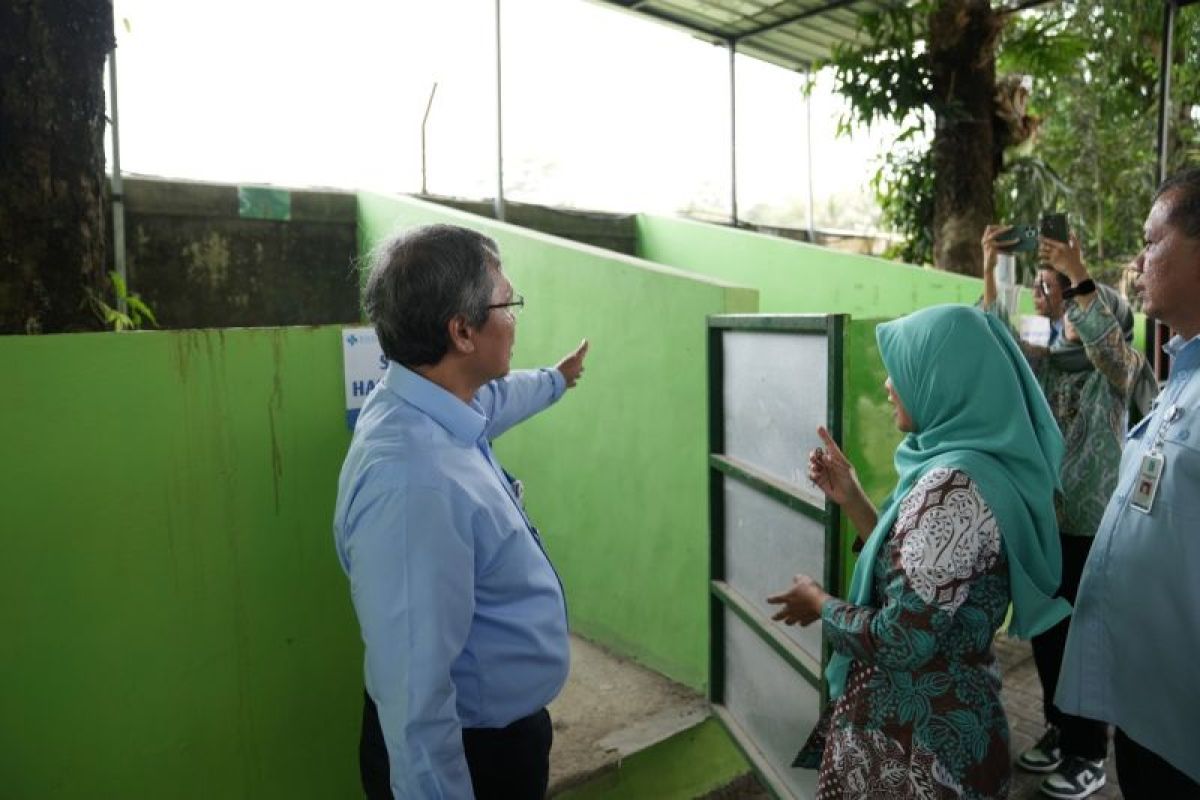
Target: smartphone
<point>1054,226</point>
<point>1026,236</point>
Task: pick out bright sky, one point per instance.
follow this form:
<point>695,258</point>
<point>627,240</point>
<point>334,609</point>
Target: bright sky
<point>602,109</point>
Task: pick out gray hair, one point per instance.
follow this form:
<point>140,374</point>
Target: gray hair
<point>1185,206</point>
<point>422,279</point>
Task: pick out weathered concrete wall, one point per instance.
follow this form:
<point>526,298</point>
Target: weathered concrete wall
<point>199,264</point>
<point>616,232</point>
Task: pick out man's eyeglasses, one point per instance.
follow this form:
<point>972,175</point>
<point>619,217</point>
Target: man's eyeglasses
<point>513,307</point>
<point>1041,287</point>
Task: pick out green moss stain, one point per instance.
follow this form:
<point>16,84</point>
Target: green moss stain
<point>207,261</point>
<point>274,409</point>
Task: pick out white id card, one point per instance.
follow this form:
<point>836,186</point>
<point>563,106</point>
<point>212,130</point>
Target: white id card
<point>1146,487</point>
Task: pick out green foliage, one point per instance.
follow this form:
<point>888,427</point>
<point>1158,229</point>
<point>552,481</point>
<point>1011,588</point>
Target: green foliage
<point>904,188</point>
<point>136,315</point>
<point>889,79</point>
<point>1099,113</point>
<point>1039,44</point>
<point>1094,65</point>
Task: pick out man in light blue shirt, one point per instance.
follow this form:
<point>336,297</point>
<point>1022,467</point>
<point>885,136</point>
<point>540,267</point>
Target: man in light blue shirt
<point>1133,652</point>
<point>462,614</point>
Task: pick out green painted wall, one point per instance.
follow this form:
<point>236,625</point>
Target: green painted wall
<point>869,434</point>
<point>798,277</point>
<point>175,622</point>
<point>615,474</point>
<point>693,764</point>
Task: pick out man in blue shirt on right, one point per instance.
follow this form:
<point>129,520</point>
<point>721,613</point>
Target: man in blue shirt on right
<point>1133,651</point>
<point>463,619</point>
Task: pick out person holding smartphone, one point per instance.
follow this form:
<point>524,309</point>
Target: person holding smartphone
<point>1088,372</point>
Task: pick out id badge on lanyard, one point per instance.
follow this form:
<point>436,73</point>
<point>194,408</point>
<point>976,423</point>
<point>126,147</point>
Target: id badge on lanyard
<point>1150,470</point>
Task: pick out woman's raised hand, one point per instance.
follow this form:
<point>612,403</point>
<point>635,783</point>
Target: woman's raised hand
<point>832,472</point>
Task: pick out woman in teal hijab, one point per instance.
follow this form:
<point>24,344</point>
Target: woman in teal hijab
<point>914,686</point>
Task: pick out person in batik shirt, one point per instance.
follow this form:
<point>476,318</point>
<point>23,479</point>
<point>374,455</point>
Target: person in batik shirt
<point>914,686</point>
<point>1090,373</point>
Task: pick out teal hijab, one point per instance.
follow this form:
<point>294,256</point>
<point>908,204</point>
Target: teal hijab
<point>977,407</point>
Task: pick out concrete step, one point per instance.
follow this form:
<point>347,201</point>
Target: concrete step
<point>611,709</point>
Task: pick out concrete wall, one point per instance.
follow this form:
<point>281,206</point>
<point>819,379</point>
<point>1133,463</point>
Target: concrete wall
<point>175,621</point>
<point>201,264</point>
<point>797,277</point>
<point>616,474</point>
<point>616,232</point>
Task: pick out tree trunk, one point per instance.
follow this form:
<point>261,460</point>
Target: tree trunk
<point>962,44</point>
<point>52,162</point>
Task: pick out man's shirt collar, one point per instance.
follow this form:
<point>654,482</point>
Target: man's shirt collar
<point>1184,351</point>
<point>464,422</point>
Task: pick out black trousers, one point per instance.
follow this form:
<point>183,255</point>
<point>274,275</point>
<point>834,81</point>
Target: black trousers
<point>1144,775</point>
<point>510,763</point>
<point>1086,738</point>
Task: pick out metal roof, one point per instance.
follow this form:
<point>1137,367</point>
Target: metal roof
<point>789,33</point>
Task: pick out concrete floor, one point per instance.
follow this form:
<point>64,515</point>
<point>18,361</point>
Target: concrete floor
<point>1022,696</point>
<point>610,708</point>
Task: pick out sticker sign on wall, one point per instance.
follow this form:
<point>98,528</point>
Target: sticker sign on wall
<point>364,364</point>
<point>264,202</point>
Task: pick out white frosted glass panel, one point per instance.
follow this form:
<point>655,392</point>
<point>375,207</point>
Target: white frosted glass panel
<point>775,396</point>
<point>766,543</point>
<point>773,703</point>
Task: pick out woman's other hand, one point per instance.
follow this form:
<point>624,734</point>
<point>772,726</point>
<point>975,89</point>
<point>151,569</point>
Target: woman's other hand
<point>801,604</point>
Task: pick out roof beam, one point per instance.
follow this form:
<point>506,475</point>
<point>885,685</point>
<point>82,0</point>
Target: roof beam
<point>680,22</point>
<point>831,5</point>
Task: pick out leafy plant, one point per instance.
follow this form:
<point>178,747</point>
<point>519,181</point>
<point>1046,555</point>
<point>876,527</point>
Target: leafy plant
<point>889,79</point>
<point>904,188</point>
<point>136,315</point>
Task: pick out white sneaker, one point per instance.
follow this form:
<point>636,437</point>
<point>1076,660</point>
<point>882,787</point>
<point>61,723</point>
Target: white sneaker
<point>1045,756</point>
<point>1076,779</point>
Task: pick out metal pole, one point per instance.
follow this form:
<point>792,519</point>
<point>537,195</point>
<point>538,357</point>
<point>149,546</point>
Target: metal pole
<point>733,209</point>
<point>1164,87</point>
<point>1162,365</point>
<point>425,120</point>
<point>812,230</point>
<point>499,127</point>
<point>118,186</point>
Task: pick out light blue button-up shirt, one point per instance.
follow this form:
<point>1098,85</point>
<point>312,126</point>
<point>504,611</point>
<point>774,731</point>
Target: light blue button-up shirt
<point>1133,653</point>
<point>462,615</point>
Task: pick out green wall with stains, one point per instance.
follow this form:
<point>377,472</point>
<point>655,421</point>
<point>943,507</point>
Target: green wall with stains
<point>615,474</point>
<point>175,621</point>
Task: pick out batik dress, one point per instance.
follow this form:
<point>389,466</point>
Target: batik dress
<point>921,716</point>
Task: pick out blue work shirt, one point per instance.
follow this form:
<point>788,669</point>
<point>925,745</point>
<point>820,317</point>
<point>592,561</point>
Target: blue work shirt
<point>1133,650</point>
<point>462,615</point>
